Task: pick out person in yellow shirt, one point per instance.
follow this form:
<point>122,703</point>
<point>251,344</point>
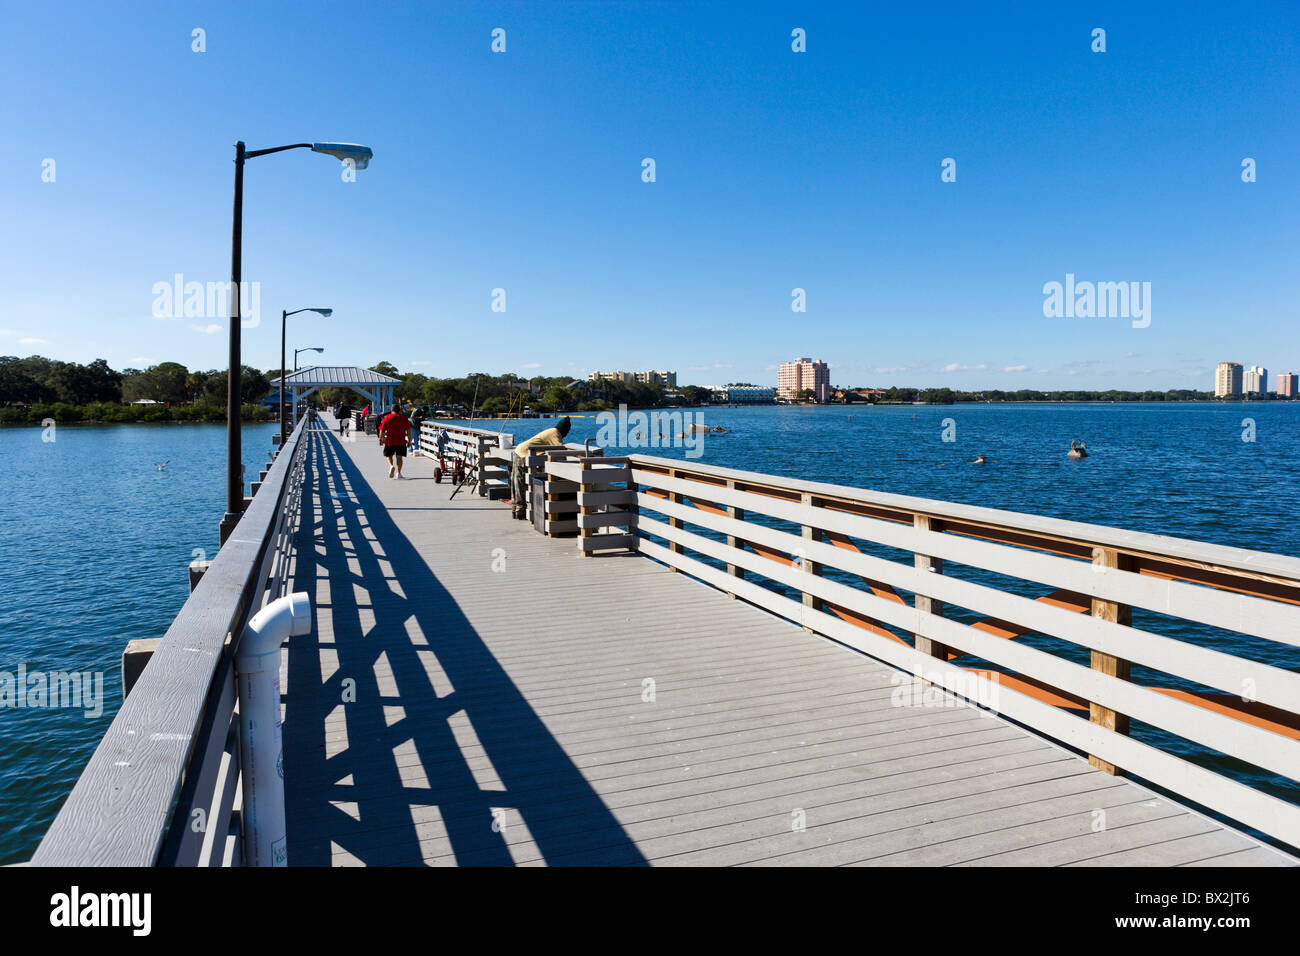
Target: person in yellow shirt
<point>519,464</point>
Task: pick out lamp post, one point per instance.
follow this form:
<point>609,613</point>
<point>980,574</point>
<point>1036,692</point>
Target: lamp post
<point>358,157</point>
<point>295,355</point>
<point>283,318</point>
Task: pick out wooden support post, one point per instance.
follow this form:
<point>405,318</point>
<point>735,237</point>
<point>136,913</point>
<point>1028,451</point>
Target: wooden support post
<point>137,654</point>
<point>810,533</point>
<point>482,451</point>
<point>583,533</point>
<point>924,562</point>
<point>1108,663</point>
<point>676,498</point>
<point>197,570</point>
<point>734,542</point>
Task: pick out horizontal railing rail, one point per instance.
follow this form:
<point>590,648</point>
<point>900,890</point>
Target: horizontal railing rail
<point>162,786</point>
<point>828,557</point>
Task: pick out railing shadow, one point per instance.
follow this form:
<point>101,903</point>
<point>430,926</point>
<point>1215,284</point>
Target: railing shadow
<point>374,771</point>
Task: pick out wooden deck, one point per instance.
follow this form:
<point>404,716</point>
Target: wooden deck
<point>474,693</point>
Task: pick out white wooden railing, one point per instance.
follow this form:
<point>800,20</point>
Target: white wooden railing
<point>476,447</point>
<point>923,584</point>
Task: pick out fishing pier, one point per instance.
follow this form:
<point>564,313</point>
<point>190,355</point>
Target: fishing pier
<point>676,664</point>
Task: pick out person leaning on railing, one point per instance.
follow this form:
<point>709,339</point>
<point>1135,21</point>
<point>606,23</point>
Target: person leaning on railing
<point>519,464</point>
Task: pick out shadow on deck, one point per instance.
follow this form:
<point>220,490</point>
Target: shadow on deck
<point>405,741</point>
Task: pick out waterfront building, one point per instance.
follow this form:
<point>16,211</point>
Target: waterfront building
<point>1254,380</point>
<point>743,394</point>
<point>802,374</point>
<point>651,377</point>
<point>1227,380</point>
<point>1288,384</point>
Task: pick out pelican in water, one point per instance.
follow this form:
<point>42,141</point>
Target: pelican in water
<point>1077,449</point>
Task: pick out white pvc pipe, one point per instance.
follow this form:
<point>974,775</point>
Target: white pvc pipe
<point>261,751</point>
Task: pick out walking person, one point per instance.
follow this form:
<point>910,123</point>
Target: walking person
<point>394,432</point>
<point>345,418</point>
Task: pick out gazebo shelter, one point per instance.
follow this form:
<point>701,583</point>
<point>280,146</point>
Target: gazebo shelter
<point>376,386</point>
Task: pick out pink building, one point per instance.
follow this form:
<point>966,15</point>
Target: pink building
<point>794,377</point>
<point>1288,384</point>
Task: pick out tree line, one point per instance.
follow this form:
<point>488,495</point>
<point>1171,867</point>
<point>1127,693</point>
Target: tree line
<point>510,393</point>
<point>35,388</point>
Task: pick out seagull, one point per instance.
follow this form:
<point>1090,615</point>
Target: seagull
<point>160,465</point>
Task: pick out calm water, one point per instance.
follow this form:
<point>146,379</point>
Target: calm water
<point>95,540</point>
<point>94,546</point>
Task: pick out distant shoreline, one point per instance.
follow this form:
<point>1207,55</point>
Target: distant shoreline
<point>839,406</point>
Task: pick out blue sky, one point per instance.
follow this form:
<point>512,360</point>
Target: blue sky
<point>775,170</point>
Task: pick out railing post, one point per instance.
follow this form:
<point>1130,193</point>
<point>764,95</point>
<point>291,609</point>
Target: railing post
<point>923,562</point>
<point>1108,663</point>
<point>810,533</point>
<point>584,489</point>
<point>482,485</point>
<point>676,499</point>
<point>732,541</point>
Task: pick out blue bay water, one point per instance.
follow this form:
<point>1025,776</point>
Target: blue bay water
<point>95,541</point>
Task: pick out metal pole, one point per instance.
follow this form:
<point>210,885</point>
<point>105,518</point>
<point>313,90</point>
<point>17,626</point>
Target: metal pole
<point>234,454</point>
<point>284,317</point>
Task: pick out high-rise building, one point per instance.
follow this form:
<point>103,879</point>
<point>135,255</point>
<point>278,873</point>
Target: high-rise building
<point>803,374</point>
<point>1227,379</point>
<point>1254,381</point>
<point>1288,384</point>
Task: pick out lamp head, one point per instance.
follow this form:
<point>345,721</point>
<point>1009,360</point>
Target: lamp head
<point>358,154</point>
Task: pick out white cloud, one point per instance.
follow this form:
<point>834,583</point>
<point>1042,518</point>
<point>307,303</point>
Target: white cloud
<point>955,367</point>
<point>140,360</point>
<point>531,365</point>
<point>421,363</point>
<point>1015,368</point>
<point>708,368</point>
<point>888,369</point>
<point>31,340</point>
<point>210,329</point>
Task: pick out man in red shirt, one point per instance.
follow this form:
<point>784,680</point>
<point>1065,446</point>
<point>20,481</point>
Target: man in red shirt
<point>394,432</point>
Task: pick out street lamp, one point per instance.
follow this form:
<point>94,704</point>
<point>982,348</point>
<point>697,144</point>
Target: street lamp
<point>357,157</point>
<point>283,317</point>
<point>296,351</point>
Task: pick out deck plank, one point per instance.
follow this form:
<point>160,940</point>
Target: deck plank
<point>476,693</point>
